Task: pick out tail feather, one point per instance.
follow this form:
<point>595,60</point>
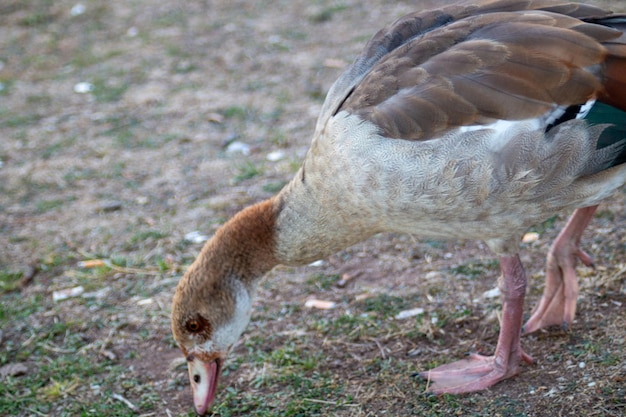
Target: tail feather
<point>615,78</point>
<point>615,64</point>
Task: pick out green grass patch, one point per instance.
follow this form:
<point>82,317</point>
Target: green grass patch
<point>11,120</point>
<point>545,225</point>
<point>44,206</point>
<point>388,306</point>
<point>105,91</point>
<point>291,394</point>
<point>247,170</point>
<point>327,13</point>
<point>14,307</point>
<point>8,282</point>
<point>475,268</point>
<point>58,147</point>
<point>322,282</point>
<point>236,112</point>
<point>5,86</point>
<point>147,236</point>
<point>64,378</point>
<point>274,187</point>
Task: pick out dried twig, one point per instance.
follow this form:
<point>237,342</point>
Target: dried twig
<point>125,401</point>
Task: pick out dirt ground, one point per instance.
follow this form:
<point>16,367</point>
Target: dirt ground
<point>125,126</point>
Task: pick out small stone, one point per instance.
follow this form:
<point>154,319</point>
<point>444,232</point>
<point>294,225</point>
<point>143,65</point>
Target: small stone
<point>83,88</point>
<point>275,156</point>
<point>196,237</point>
<point>101,293</point>
<point>77,10</point>
<point>67,293</point>
<point>432,275</point>
<point>409,313</point>
<point>109,206</point>
<point>238,147</point>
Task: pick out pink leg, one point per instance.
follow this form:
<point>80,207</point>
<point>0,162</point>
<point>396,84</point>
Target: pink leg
<point>479,372</point>
<point>558,303</point>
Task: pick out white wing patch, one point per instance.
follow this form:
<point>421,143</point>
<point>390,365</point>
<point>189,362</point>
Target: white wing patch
<point>548,118</point>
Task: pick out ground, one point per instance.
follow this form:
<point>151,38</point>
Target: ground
<point>127,125</point>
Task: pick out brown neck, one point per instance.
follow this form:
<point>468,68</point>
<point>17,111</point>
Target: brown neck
<point>243,248</point>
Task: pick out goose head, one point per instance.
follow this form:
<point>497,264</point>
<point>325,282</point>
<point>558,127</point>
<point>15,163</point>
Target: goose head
<point>206,326</point>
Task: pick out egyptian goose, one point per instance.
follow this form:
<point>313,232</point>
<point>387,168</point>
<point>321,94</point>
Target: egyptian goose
<point>466,122</point>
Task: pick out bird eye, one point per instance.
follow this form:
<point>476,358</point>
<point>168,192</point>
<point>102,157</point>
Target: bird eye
<point>193,326</point>
<point>198,325</point>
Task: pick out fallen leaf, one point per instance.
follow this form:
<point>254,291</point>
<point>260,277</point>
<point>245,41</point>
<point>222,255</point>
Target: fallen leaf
<point>108,354</point>
<point>215,118</point>
<point>28,276</point>
<point>530,237</point>
<point>13,369</point>
<point>346,278</point>
<point>92,263</point>
<point>320,304</point>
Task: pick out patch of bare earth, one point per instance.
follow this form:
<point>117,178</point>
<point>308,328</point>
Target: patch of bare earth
<point>116,128</point>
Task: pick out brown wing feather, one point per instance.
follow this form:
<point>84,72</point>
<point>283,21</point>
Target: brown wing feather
<point>499,65</point>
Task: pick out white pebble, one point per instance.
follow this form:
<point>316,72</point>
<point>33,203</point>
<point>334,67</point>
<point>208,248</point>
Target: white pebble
<point>409,313</point>
<point>591,384</point>
<point>196,237</point>
<point>493,293</point>
<point>132,32</point>
<point>78,9</point>
<point>582,365</point>
<point>67,293</point>
<point>274,39</point>
<point>238,147</point>
<point>83,88</point>
<point>275,156</point>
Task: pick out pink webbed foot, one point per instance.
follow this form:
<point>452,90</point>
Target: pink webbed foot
<point>478,372</point>
<point>558,303</point>
<point>474,373</point>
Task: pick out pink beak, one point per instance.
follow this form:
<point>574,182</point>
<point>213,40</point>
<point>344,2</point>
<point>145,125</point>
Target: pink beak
<point>203,377</point>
